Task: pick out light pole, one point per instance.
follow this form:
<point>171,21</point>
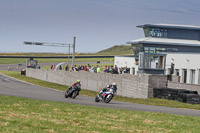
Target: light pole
<point>56,45</point>
<point>73,51</point>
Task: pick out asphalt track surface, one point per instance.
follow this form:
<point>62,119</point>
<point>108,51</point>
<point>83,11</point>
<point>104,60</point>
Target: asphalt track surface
<point>13,87</point>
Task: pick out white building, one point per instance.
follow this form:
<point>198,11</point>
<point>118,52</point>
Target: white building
<point>166,49</point>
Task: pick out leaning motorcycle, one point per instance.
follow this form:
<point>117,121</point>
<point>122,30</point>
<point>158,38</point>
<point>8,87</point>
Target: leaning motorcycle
<point>105,96</point>
<point>72,92</point>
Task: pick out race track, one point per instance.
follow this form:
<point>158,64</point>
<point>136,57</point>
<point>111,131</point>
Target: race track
<point>13,87</point>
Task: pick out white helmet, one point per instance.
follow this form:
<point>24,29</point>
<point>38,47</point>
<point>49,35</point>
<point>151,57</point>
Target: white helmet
<point>114,84</point>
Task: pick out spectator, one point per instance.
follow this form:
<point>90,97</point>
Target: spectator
<point>60,67</point>
<point>38,66</point>
<point>67,68</point>
<point>92,69</point>
<point>75,68</point>
<point>98,69</point>
<point>105,69</point>
<point>79,67</point>
<point>85,69</point>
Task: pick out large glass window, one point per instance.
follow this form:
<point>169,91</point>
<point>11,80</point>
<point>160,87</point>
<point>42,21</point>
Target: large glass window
<point>149,49</point>
<point>152,61</point>
<point>157,32</point>
<point>146,32</point>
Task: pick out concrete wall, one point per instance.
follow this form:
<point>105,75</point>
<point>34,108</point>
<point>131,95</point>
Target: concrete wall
<point>137,86</point>
<point>176,85</point>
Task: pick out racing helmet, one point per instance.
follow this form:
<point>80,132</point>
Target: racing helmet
<point>78,81</point>
<point>114,85</point>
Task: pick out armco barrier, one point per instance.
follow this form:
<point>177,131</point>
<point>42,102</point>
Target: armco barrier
<point>137,86</point>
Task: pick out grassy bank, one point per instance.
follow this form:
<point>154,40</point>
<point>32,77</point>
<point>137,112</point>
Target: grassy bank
<point>23,60</point>
<point>152,101</point>
<point>25,115</point>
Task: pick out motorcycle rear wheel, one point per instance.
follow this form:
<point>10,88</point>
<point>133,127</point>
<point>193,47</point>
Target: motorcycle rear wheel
<point>66,94</point>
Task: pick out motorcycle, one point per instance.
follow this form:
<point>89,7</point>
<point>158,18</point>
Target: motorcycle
<point>105,96</point>
<point>72,92</point>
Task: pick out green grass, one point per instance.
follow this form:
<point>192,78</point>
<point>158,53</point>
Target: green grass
<point>152,101</point>
<point>22,60</point>
<point>25,115</point>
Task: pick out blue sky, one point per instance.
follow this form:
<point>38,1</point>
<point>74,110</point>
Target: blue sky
<point>97,24</point>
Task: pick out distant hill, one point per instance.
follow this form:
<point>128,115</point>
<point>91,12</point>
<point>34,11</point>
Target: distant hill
<point>117,50</point>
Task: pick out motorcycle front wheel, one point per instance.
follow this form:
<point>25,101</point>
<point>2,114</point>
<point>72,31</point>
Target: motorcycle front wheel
<point>97,99</point>
<point>108,98</point>
<point>74,94</point>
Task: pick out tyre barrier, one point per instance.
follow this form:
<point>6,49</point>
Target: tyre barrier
<point>180,95</point>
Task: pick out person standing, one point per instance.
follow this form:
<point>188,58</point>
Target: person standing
<point>98,69</point>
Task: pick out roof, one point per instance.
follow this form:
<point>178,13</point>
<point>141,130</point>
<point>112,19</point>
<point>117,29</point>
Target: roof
<point>174,26</point>
<point>165,41</point>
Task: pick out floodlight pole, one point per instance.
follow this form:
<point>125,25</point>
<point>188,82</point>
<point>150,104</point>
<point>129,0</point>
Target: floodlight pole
<point>73,51</point>
<point>68,54</point>
<point>56,45</point>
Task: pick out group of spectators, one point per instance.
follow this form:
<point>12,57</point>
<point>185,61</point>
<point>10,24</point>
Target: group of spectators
<point>124,70</point>
<point>88,68</point>
<point>95,69</point>
<point>116,70</point>
<point>53,67</point>
<point>111,69</point>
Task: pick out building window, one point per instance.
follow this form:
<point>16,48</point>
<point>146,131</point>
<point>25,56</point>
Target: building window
<point>199,77</point>
<point>136,49</point>
<point>192,77</point>
<point>149,49</point>
<point>177,72</point>
<point>184,75</point>
<point>157,32</point>
<point>174,49</point>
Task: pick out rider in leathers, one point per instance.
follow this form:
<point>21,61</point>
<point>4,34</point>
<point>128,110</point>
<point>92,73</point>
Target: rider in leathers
<point>74,86</point>
<point>113,86</point>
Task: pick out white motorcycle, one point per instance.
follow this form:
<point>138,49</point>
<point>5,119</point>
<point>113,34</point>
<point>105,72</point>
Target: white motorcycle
<point>105,96</point>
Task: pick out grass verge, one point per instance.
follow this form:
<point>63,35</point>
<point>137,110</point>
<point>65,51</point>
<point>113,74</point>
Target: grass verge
<point>25,115</point>
<point>152,101</point>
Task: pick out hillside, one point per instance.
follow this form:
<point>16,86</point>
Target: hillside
<point>117,50</point>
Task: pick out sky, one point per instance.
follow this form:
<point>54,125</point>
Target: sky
<point>96,24</point>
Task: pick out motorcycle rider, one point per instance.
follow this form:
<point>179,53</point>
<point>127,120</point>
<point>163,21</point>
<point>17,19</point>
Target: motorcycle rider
<point>113,86</point>
<point>74,86</point>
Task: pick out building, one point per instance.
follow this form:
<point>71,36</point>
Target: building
<point>166,49</point>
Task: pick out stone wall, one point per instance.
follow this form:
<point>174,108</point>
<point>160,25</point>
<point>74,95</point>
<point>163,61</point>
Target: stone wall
<point>137,86</point>
<point>156,81</point>
<point>176,85</point>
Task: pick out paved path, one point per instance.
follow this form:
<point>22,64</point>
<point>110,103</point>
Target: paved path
<point>13,87</point>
